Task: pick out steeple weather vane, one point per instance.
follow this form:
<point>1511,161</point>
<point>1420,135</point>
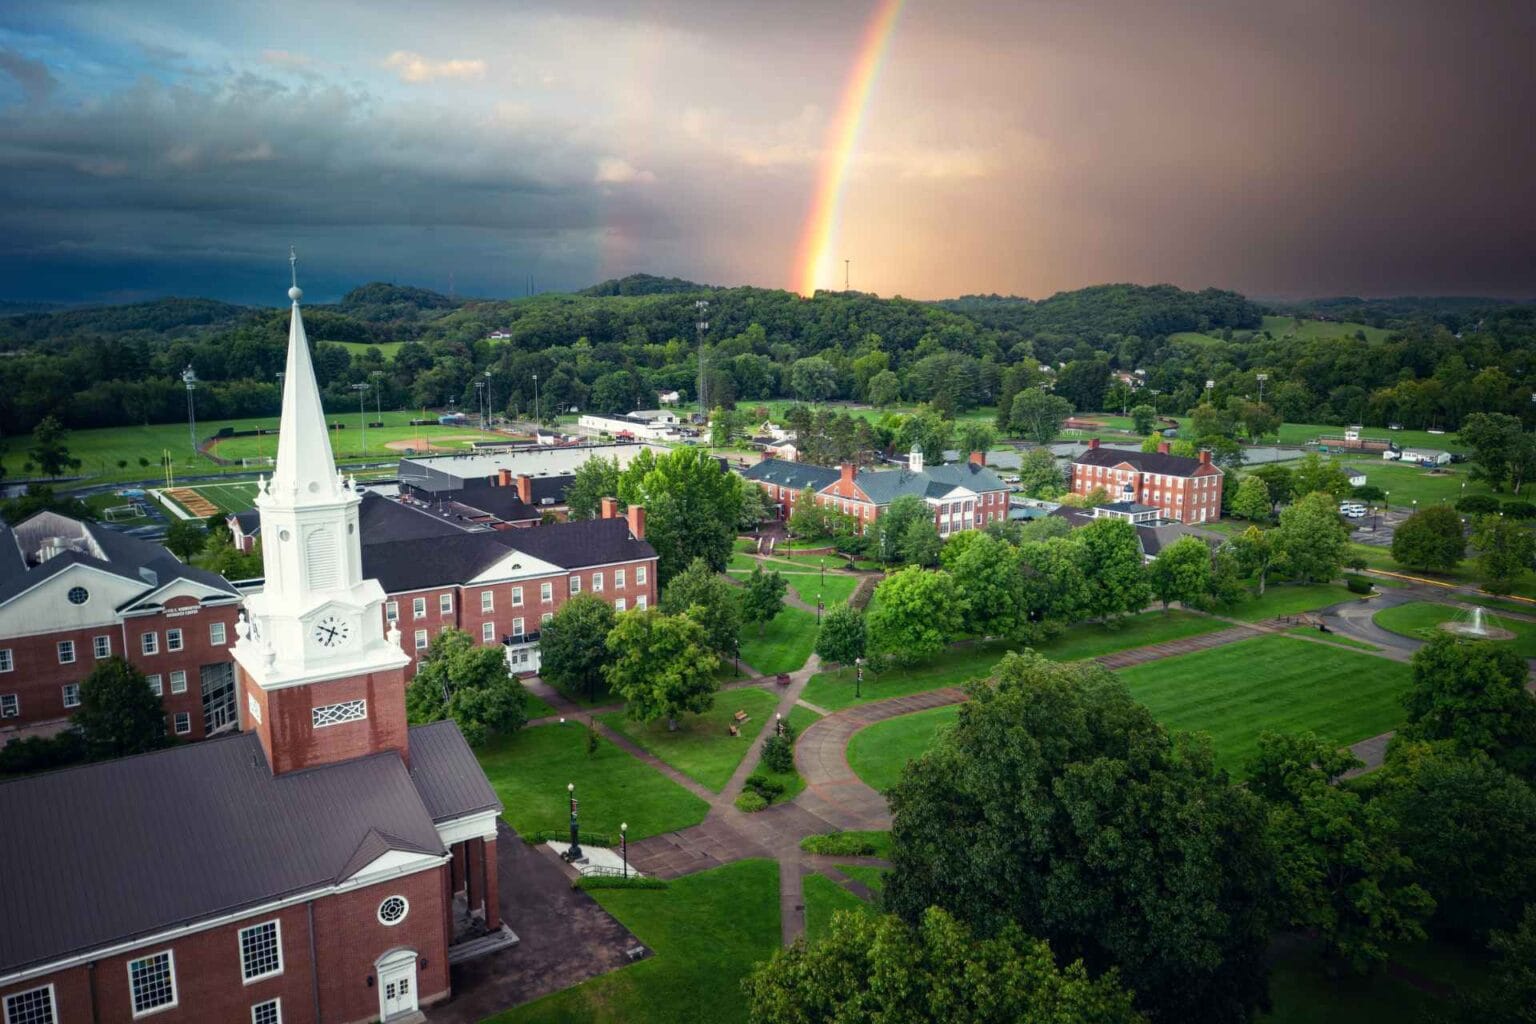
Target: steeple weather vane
<point>293,268</point>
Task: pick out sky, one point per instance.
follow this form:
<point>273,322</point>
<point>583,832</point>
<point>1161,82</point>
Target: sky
<point>1293,149</point>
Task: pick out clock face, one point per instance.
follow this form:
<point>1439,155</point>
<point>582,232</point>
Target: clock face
<point>332,631</point>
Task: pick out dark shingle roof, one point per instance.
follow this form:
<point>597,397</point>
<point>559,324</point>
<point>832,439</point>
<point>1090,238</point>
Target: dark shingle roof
<point>795,475</point>
<point>250,521</point>
<point>430,561</point>
<point>579,543</point>
<point>501,502</point>
<point>447,776</point>
<point>1146,462</point>
<point>113,851</point>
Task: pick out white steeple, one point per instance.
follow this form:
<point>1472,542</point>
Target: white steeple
<point>316,617</point>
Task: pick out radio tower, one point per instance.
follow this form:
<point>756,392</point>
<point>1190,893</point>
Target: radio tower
<point>703,310</point>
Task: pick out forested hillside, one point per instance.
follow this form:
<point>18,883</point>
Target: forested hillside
<point>1419,362</point>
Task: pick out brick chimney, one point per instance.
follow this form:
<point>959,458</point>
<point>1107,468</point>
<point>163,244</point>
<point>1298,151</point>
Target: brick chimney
<point>525,488</point>
<point>978,458</point>
<point>849,470</point>
<point>636,516</point>
<point>610,508</point>
<point>1093,442</point>
<point>1205,456</point>
<point>1162,447</point>
<point>503,478</point>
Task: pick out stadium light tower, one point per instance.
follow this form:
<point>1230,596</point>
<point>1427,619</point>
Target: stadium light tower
<point>480,401</point>
<point>189,378</point>
<point>535,401</point>
<point>1262,378</point>
<point>490,401</point>
<point>702,305</point>
<point>362,414</point>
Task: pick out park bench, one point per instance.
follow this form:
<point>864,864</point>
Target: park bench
<point>741,716</point>
<point>782,679</point>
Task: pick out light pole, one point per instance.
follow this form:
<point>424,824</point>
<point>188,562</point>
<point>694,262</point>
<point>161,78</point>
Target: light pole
<point>858,678</point>
<point>362,413</point>
<point>778,724</point>
<point>535,401</point>
<point>1386,501</point>
<point>189,378</point>
<point>378,396</point>
<point>624,845</point>
<point>480,401</point>
<point>738,656</point>
<point>1262,378</point>
<point>573,854</point>
<point>490,400</point>
<point>823,572</point>
<point>818,609</point>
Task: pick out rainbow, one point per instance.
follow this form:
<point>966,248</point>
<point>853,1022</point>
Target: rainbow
<point>813,257</point>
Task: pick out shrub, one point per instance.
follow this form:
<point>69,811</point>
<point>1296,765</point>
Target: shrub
<point>1478,505</point>
<point>588,882</point>
<point>751,802</point>
<point>842,844</point>
<point>779,752</point>
<point>1357,584</point>
<point>40,753</point>
<point>564,836</point>
<point>765,787</point>
<point>1519,510</point>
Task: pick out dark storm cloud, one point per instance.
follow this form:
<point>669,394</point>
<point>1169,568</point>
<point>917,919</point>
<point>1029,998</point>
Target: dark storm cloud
<point>32,75</point>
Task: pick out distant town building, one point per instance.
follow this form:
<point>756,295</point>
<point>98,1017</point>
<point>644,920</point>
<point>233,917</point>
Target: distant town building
<point>669,398</point>
<point>662,427</point>
<point>1185,490</point>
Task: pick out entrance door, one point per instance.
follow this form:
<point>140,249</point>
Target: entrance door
<point>218,697</point>
<point>397,984</point>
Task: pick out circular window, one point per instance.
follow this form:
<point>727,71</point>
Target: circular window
<point>393,910</point>
<point>284,535</point>
<point>79,595</point>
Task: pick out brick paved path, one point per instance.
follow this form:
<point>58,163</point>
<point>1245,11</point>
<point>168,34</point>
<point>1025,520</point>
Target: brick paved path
<point>1172,648</point>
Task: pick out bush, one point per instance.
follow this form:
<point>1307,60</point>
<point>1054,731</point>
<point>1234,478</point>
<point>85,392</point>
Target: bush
<point>1478,505</point>
<point>1519,510</point>
<point>589,882</point>
<point>1357,584</point>
<point>841,844</point>
<point>779,752</point>
<point>564,836</point>
<point>751,802</point>
<point>765,787</point>
<point>40,753</point>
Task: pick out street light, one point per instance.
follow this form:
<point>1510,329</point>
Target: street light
<point>624,845</point>
<point>574,854</point>
<point>823,572</point>
<point>778,724</point>
<point>738,656</point>
<point>818,609</point>
<point>858,677</point>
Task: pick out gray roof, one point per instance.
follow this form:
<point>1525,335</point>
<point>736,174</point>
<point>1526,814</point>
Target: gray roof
<point>113,851</point>
<point>249,520</point>
<point>794,475</point>
<point>1129,507</point>
<point>449,779</point>
<point>885,486</point>
<point>1146,462</point>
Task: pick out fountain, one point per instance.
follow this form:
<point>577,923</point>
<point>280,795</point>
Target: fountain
<point>1475,627</point>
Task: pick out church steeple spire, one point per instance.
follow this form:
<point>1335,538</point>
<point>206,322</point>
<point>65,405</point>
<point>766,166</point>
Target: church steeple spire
<point>305,471</point>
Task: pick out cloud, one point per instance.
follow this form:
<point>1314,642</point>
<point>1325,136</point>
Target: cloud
<point>32,75</point>
<point>613,170</point>
<point>413,67</point>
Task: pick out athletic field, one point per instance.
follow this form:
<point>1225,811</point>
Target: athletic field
<point>204,500</point>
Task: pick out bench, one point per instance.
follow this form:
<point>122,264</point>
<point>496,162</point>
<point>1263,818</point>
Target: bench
<point>782,679</point>
<point>741,716</point>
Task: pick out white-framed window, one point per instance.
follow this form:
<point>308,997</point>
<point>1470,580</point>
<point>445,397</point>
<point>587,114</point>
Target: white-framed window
<point>66,652</point>
<point>597,583</point>
<point>336,714</point>
<point>421,640</point>
<point>393,910</point>
<point>445,603</point>
<point>618,579</point>
<point>10,705</point>
<point>261,951</point>
<point>149,643</point>
<point>179,681</point>
<point>391,611</point>
<point>269,1012</point>
<point>488,632</point>
<point>517,627</point>
<point>71,695</point>
<point>173,640</point>
<point>544,619</point>
<point>618,605</point>
<point>517,597</point>
<point>216,634</point>
<point>546,592</point>
<point>575,584</point>
<point>156,684</point>
<point>7,660</point>
<point>640,602</point>
<point>152,982</point>
<point>418,607</point>
<point>639,575</point>
<point>487,600</point>
<point>182,723</point>
<point>34,1006</point>
<point>101,647</point>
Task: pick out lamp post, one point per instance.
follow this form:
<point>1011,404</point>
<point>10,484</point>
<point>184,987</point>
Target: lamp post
<point>1386,501</point>
<point>778,724</point>
<point>858,678</point>
<point>818,609</point>
<point>738,655</point>
<point>535,400</point>
<point>823,572</point>
<point>574,854</point>
<point>624,845</point>
<point>378,396</point>
<point>362,414</point>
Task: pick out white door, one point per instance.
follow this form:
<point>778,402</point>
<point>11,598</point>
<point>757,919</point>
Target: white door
<point>397,987</point>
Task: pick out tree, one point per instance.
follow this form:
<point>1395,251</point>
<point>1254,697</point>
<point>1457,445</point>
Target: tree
<point>869,970</point>
<point>1181,572</point>
<point>1039,475</point>
<point>756,506</point>
<point>119,714</point>
<point>884,389</point>
<point>573,645</point>
<point>1431,538</point>
<point>691,508</point>
<point>41,498</point>
<point>1059,804</point>
<point>708,599</point>
<point>928,432</point>
<point>1493,438</point>
<point>48,450</point>
<point>1252,499</point>
<point>813,378</point>
<point>1340,874</point>
<point>892,524</point>
<point>1142,418</point>
<point>974,436</point>
<point>1110,554</point>
<point>1470,827</point>
<point>185,538</point>
<point>988,584</point>
<point>1472,693</point>
<point>1312,474</point>
<point>1208,420</point>
<point>471,684</point>
<point>1258,419</point>
<point>1504,552</point>
<point>918,614</point>
<point>1279,481</point>
<point>724,425</point>
<point>1038,415</point>
<point>1257,554</point>
<point>1311,539</point>
<point>842,637</point>
<point>1510,997</point>
<point>762,597</point>
<point>920,543</point>
<point>594,480</point>
<point>661,666</point>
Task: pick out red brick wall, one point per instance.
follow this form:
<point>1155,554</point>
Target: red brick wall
<point>287,725</point>
<point>71,994</point>
<point>1196,495</point>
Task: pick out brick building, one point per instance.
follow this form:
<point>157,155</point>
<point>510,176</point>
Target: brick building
<point>319,867</point>
<point>74,593</point>
<point>963,496</point>
<point>1182,489</point>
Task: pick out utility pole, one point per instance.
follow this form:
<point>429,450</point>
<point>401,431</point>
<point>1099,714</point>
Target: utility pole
<point>535,401</point>
<point>490,404</point>
<point>702,306</point>
<point>1262,378</point>
<point>480,401</point>
<point>189,378</point>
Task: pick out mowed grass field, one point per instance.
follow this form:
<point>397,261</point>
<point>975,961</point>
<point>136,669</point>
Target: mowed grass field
<point>702,747</point>
<point>230,497</point>
<point>1420,619</point>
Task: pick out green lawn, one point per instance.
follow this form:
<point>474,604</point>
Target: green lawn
<point>530,770</point>
<point>834,589</point>
<point>1093,639</point>
<point>784,646</point>
<point>1405,483</point>
<point>823,898</point>
<point>1332,638</point>
<point>1291,599</point>
<point>706,931</point>
<point>1271,682</point>
<point>799,718</point>
<point>535,706</point>
<point>872,878</point>
<point>358,348</point>
<point>702,747</point>
<point>879,753</point>
<point>1420,619</point>
<point>1305,992</point>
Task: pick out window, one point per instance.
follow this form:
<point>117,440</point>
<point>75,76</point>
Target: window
<point>173,640</point>
<point>546,592</point>
<point>149,643</point>
<point>152,981</point>
<point>183,723</point>
<point>640,602</point>
<point>391,611</point>
<point>78,595</point>
<point>421,639</point>
<point>418,607</point>
<point>216,634</point>
<point>517,627</point>
<point>10,705</point>
<point>156,684</point>
<point>575,584</point>
<point>544,619</point>
<point>269,1012</point>
<point>71,695</point>
<point>618,579</point>
<point>336,714</point>
<point>393,910</point>
<point>639,575</point>
<point>445,603</point>
<point>488,632</point>
<point>34,1006</point>
<point>597,583</point>
<point>261,951</point>
<point>179,681</point>
<point>66,652</point>
<point>101,646</point>
<point>517,597</point>
<point>7,660</point>
<point>618,605</point>
<point>487,600</point>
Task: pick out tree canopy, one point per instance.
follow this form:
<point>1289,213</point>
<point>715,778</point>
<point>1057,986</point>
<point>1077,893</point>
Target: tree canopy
<point>469,683</point>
